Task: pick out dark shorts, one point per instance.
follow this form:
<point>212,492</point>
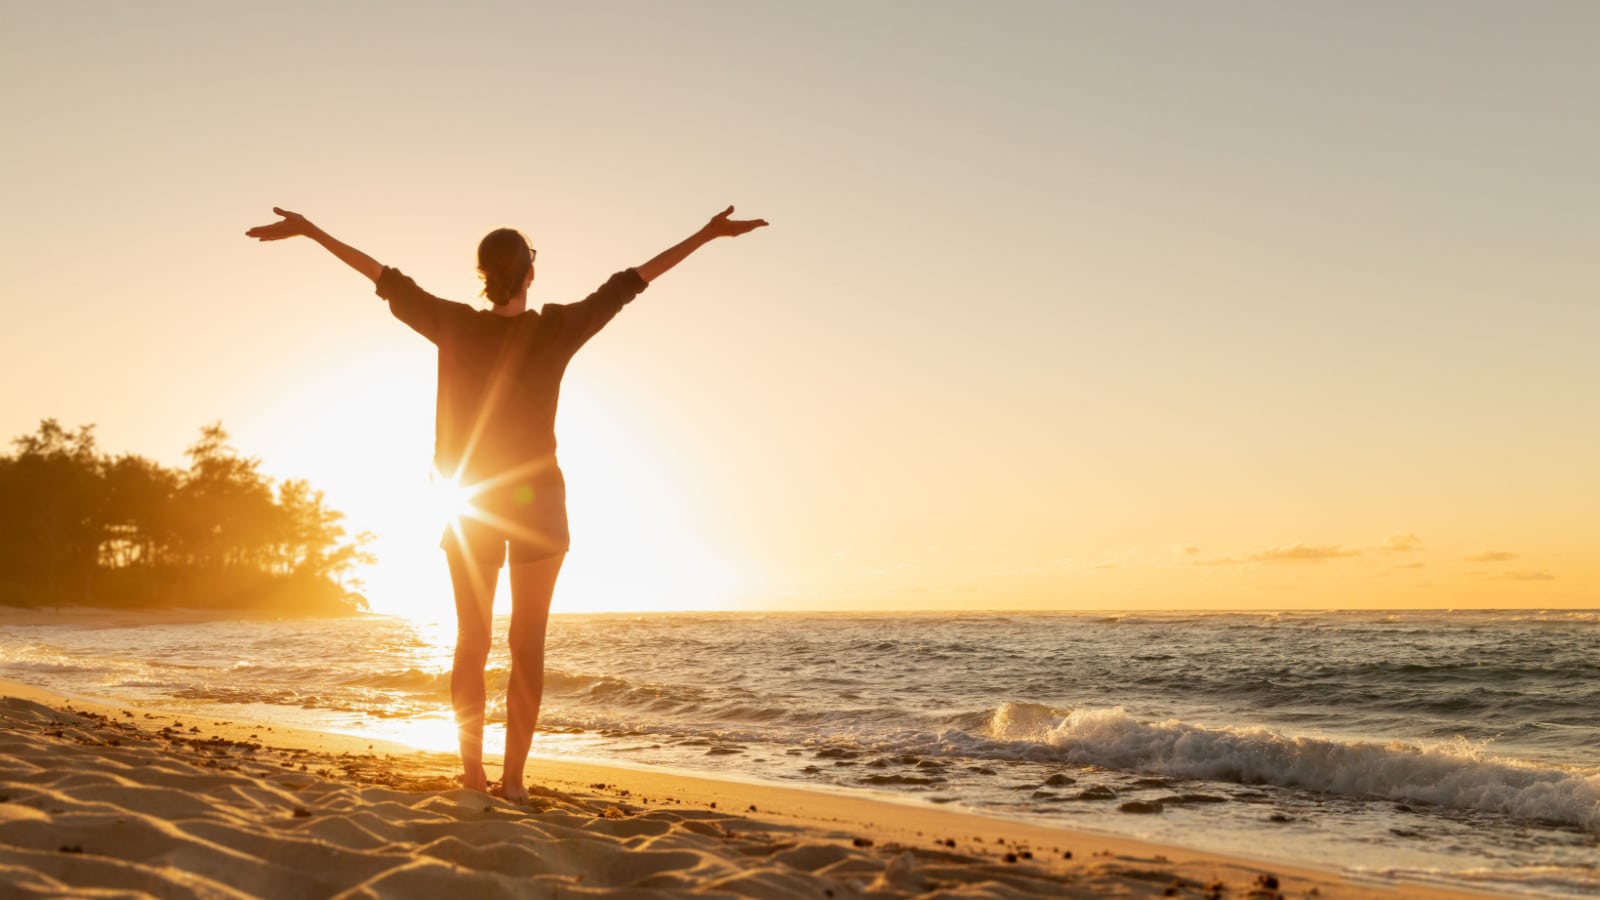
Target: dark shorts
<point>525,522</point>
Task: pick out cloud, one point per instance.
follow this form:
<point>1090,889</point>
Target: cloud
<point>1525,575</point>
<point>1301,553</point>
<point>1219,561</point>
<point>1400,542</point>
<point>1190,550</point>
<point>1490,556</point>
<point>1294,553</point>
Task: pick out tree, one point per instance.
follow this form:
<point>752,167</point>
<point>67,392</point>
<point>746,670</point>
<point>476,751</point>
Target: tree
<point>52,520</point>
<point>314,536</point>
<point>83,527</point>
<point>139,500</point>
<point>227,514</point>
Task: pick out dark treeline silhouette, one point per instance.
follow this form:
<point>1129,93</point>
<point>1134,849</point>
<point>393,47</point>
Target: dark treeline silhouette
<point>80,527</point>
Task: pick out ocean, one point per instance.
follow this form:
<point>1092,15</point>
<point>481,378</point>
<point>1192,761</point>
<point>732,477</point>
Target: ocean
<point>1456,746</point>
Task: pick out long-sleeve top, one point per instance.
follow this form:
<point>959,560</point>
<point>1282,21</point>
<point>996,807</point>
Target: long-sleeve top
<point>500,376</point>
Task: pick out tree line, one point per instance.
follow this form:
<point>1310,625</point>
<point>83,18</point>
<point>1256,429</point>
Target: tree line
<point>82,527</point>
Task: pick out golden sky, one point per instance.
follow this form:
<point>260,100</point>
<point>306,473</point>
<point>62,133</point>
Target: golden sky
<point>1231,305</point>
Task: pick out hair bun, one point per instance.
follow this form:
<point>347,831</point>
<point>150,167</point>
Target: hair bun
<point>504,258</point>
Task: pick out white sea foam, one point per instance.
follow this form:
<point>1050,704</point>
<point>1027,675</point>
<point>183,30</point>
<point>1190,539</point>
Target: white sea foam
<point>1533,880</point>
<point>1455,774</point>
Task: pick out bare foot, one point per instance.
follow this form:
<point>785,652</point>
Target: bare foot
<point>514,792</point>
<point>474,779</point>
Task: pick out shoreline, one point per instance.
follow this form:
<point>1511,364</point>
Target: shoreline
<point>133,617</point>
<point>728,837</point>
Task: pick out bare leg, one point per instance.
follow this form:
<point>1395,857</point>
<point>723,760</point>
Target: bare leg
<point>532,585</point>
<point>474,589</point>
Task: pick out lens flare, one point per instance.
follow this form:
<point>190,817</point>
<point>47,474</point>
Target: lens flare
<point>448,499</point>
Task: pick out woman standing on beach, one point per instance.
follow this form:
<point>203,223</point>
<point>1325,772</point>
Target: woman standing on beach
<point>499,380</point>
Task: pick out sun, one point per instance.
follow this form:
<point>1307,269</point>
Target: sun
<point>448,500</point>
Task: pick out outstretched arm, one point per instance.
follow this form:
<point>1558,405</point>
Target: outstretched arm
<point>719,226</point>
<point>295,225</point>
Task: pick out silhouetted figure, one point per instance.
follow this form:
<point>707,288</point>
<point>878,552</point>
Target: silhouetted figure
<point>499,380</point>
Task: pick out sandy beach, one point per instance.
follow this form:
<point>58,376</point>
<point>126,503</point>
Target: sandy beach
<point>108,800</point>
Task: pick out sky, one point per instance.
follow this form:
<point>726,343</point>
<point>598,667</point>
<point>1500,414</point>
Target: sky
<point>1232,305</point>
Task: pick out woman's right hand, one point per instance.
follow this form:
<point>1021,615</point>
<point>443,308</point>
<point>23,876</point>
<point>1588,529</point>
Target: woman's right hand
<point>291,225</point>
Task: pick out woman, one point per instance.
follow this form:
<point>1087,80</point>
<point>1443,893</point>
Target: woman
<point>499,380</point>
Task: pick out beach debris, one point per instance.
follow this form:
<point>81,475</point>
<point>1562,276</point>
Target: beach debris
<point>300,812</point>
<point>861,842</point>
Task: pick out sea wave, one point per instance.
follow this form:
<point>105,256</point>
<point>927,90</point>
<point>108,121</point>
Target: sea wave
<point>1457,774</point>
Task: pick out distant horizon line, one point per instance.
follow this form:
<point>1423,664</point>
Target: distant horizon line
<point>1076,612</point>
